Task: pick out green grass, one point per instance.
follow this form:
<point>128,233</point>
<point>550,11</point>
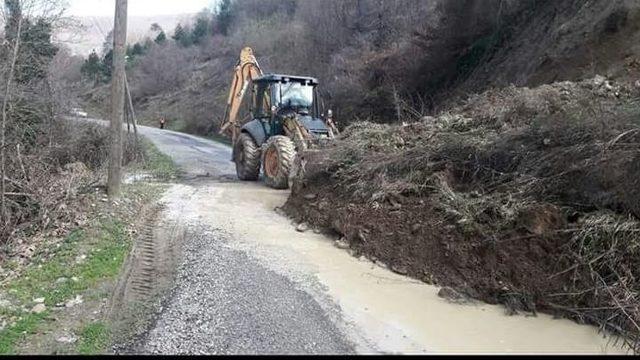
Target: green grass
<point>106,245</point>
<point>160,165</point>
<point>95,338</point>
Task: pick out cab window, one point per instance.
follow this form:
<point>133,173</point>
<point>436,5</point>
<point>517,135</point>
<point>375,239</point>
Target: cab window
<point>262,101</point>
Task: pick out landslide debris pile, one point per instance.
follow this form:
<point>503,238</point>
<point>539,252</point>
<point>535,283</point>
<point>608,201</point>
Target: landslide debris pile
<point>525,197</point>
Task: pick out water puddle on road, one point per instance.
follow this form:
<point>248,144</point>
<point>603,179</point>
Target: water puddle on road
<point>394,312</point>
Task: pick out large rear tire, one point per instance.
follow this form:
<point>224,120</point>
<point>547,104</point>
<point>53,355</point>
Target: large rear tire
<point>247,158</point>
<point>277,160</point>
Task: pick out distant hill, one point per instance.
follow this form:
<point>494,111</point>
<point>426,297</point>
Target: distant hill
<point>94,29</point>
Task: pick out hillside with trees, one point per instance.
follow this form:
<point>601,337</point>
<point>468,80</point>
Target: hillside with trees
<point>383,61</point>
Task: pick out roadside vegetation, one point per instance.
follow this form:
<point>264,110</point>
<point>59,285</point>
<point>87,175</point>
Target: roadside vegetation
<point>62,243</point>
<point>70,280</point>
<point>155,163</point>
<point>60,276</point>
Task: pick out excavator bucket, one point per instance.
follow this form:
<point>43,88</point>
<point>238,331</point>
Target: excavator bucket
<point>246,70</point>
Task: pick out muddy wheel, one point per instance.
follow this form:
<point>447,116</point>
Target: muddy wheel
<point>247,158</point>
<point>277,161</point>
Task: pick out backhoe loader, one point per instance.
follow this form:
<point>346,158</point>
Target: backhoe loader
<point>283,120</point>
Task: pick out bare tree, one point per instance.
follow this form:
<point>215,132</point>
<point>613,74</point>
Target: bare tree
<point>5,102</point>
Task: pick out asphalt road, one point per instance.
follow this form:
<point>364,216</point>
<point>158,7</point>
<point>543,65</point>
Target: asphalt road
<point>197,157</point>
<point>224,301</point>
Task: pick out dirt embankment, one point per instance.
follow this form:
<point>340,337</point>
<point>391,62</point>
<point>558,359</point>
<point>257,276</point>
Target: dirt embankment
<point>525,197</point>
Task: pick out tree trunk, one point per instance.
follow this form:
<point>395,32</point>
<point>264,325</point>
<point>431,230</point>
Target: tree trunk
<point>3,128</point>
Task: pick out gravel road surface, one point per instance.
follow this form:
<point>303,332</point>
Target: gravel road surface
<point>223,301</point>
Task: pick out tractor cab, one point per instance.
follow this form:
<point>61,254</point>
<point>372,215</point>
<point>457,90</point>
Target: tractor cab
<point>280,97</point>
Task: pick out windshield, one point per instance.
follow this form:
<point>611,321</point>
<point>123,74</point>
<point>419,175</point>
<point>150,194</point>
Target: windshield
<point>296,95</point>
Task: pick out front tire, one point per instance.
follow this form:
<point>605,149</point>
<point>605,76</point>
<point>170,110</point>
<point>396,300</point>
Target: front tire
<point>247,158</point>
<point>277,160</point>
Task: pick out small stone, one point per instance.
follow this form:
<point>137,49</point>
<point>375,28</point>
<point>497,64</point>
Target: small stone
<point>317,231</point>
<point>75,279</point>
<point>341,244</point>
<point>39,309</point>
<point>546,142</point>
<point>61,280</point>
<point>415,228</point>
<point>39,300</point>
<point>71,303</point>
<point>599,80</point>
<point>302,227</point>
<point>310,196</point>
<point>452,295</point>
<point>67,339</point>
<point>382,265</point>
<point>399,270</point>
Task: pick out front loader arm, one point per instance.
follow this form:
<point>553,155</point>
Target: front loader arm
<point>246,70</point>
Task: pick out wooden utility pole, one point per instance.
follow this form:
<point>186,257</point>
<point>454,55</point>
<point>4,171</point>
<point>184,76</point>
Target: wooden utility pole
<point>117,98</point>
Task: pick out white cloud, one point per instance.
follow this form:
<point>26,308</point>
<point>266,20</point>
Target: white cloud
<point>138,7</point>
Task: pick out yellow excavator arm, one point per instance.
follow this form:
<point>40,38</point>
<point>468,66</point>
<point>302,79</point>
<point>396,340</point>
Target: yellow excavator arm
<point>246,70</point>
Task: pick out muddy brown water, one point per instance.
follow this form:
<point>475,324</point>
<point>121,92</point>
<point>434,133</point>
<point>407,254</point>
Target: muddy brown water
<point>381,310</point>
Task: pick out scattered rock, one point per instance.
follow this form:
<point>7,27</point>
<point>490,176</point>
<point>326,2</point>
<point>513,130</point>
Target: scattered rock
<point>415,228</point>
<point>399,270</point>
<point>39,300</point>
<point>317,231</point>
<point>342,244</point>
<point>302,227</point>
<point>39,309</point>
<point>310,196</point>
<point>75,279</point>
<point>382,265</point>
<point>81,258</point>
<point>453,296</point>
<point>599,80</point>
<point>71,303</point>
<point>61,280</point>
<point>5,304</point>
<point>67,339</point>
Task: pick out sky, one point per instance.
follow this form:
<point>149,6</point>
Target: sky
<point>137,7</point>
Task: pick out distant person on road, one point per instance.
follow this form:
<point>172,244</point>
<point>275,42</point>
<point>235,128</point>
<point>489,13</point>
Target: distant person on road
<point>162,123</point>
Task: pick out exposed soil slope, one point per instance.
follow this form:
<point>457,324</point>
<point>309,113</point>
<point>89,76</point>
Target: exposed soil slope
<point>527,197</point>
